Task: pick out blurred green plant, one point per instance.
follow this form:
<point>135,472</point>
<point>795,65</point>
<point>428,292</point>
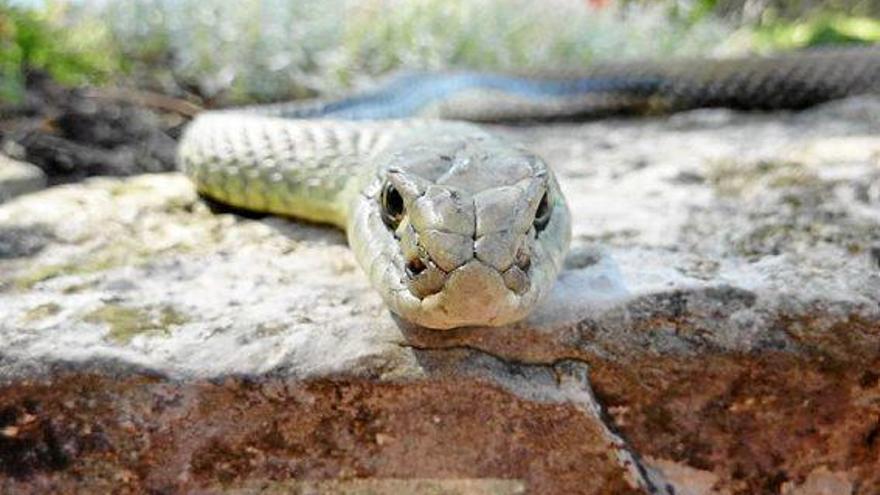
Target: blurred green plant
<point>250,50</point>
<point>820,29</point>
<point>36,40</point>
<point>382,35</point>
<point>757,12</point>
<point>275,49</point>
<point>258,50</point>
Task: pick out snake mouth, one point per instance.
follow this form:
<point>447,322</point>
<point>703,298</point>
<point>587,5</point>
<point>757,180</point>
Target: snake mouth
<point>425,278</point>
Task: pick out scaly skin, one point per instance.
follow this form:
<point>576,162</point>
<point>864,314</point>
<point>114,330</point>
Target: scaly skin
<point>469,205</point>
<point>454,226</point>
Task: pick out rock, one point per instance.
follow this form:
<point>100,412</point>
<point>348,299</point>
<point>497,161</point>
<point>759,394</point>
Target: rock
<point>17,178</point>
<point>71,134</point>
<point>717,330</point>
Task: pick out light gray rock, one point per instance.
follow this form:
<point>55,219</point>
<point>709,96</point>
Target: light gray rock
<point>17,178</point>
<point>729,225</point>
<point>714,253</point>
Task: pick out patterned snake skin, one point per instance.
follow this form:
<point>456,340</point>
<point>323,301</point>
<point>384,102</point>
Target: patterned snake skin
<point>785,81</point>
<point>455,226</point>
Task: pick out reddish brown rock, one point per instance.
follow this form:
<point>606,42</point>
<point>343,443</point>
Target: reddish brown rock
<point>137,434</point>
<point>760,424</point>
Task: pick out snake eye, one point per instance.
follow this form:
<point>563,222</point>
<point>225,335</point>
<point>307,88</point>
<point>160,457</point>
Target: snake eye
<point>542,215</point>
<point>392,206</point>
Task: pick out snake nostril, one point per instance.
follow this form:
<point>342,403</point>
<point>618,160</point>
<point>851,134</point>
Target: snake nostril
<point>523,260</point>
<point>414,267</point>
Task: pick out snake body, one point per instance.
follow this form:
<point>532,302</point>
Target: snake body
<point>453,225</point>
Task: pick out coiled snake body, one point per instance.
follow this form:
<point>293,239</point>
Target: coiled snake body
<point>455,226</point>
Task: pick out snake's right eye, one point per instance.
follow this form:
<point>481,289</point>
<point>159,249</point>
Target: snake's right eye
<point>542,215</point>
<point>392,206</point>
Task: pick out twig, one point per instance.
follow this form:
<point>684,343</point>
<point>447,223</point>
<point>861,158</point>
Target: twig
<point>146,99</point>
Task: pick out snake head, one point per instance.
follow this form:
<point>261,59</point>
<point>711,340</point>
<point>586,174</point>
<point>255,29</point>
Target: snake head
<point>464,230</point>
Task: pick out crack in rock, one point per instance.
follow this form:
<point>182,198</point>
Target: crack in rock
<point>561,381</point>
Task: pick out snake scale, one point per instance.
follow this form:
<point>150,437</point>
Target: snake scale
<point>453,225</point>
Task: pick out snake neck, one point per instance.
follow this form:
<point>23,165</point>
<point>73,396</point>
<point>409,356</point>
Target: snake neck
<point>305,169</point>
<point>308,169</point>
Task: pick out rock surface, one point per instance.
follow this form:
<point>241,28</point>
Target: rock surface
<point>717,331</point>
<point>17,178</point>
<point>71,134</point>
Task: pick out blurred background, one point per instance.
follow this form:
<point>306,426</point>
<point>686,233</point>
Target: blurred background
<point>104,87</point>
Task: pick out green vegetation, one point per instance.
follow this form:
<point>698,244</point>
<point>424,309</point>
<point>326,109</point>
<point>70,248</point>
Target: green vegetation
<point>821,29</point>
<point>271,49</point>
<point>513,34</point>
<point>38,40</point>
<point>277,49</point>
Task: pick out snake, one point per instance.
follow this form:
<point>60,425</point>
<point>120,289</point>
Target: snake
<point>456,226</point>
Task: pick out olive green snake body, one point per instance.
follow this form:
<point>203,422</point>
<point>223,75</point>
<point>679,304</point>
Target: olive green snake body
<point>453,225</point>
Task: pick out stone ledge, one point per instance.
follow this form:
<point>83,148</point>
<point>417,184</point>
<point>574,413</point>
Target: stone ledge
<point>723,294</point>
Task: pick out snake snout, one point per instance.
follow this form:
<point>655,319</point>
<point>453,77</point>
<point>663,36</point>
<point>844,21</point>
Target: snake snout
<point>427,276</point>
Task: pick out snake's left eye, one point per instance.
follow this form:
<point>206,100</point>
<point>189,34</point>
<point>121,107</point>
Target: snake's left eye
<point>392,206</point>
<point>542,215</point>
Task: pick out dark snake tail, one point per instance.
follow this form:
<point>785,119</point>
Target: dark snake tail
<point>784,81</point>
